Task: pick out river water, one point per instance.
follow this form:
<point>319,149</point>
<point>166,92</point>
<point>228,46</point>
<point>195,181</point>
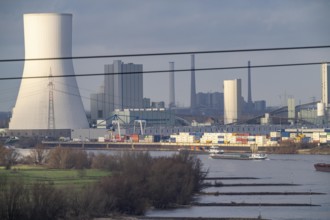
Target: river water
<point>291,169</point>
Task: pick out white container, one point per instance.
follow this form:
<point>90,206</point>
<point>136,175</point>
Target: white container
<point>275,134</point>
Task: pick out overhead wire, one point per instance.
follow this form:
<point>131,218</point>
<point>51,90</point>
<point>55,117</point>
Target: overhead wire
<point>171,53</point>
<point>166,71</point>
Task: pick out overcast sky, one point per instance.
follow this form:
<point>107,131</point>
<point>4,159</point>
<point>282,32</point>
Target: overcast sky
<point>106,27</point>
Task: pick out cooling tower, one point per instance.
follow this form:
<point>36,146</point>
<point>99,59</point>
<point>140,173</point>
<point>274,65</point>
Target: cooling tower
<point>50,102</point>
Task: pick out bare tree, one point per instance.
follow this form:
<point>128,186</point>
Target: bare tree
<point>67,158</point>
<point>8,157</point>
<point>39,154</point>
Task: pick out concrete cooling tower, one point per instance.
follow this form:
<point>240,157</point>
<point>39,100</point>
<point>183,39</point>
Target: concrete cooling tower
<point>50,102</point>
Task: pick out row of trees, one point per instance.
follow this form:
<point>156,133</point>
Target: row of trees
<point>137,182</point>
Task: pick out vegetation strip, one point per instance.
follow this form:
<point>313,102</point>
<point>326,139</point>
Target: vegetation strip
<point>258,193</point>
<point>252,204</point>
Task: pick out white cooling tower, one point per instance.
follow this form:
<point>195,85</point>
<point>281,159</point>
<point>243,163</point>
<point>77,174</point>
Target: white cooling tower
<point>51,102</point>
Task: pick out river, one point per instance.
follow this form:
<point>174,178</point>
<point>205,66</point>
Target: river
<point>292,169</point>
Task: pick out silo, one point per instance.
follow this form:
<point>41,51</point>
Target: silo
<point>48,101</point>
<point>232,90</point>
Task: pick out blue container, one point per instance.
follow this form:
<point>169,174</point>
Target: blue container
<point>274,138</point>
<point>305,140</point>
<point>157,138</point>
<point>285,134</point>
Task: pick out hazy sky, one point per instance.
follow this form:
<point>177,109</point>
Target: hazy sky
<point>106,27</point>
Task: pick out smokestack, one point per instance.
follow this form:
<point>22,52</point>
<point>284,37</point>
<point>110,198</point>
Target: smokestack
<point>193,83</point>
<point>249,85</point>
<point>172,86</point>
<point>52,103</point>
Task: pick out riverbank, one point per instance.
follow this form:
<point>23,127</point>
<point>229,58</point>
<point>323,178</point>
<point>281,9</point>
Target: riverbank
<point>197,148</point>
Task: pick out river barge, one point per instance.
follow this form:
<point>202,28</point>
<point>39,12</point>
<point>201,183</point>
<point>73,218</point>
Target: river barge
<point>235,156</point>
<point>324,167</point>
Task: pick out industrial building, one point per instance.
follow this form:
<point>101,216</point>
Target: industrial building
<point>210,100</point>
<point>48,101</point>
<point>123,88</point>
<point>152,116</point>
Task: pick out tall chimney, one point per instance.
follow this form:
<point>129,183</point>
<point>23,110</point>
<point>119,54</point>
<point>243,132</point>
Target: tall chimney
<point>249,84</point>
<point>172,86</point>
<point>193,83</point>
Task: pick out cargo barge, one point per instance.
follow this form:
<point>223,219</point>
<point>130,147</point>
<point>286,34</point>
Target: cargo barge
<point>324,167</point>
<point>235,156</point>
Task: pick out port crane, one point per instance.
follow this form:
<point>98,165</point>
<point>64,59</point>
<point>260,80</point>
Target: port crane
<point>142,124</point>
<point>117,123</point>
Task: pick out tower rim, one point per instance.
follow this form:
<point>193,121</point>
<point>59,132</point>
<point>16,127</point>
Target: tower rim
<point>48,14</point>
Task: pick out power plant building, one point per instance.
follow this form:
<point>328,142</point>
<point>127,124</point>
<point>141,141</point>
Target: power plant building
<point>97,105</point>
<point>210,100</point>
<point>122,89</point>
<point>48,101</point>
<point>232,100</point>
<point>152,116</point>
<point>123,86</point>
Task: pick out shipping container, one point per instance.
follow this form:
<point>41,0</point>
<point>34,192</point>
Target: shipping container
<point>275,134</point>
<point>157,138</point>
<point>305,140</point>
<point>101,139</point>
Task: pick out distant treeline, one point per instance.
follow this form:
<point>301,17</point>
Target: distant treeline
<point>137,182</point>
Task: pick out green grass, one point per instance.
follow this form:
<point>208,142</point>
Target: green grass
<point>59,177</point>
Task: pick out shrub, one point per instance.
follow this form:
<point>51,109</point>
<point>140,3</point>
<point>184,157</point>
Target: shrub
<point>67,158</point>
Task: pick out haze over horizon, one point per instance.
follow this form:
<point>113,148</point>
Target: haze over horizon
<point>129,27</point>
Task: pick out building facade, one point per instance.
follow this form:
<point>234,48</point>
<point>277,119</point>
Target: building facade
<point>97,107</point>
<point>152,116</point>
<point>123,88</point>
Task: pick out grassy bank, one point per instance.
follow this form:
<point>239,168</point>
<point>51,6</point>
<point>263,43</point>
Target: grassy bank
<point>59,177</point>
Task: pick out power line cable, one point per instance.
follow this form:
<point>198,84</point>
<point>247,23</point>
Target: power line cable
<point>170,53</point>
<point>166,71</point>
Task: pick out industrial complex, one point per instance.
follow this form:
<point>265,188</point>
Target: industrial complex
<point>51,106</point>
